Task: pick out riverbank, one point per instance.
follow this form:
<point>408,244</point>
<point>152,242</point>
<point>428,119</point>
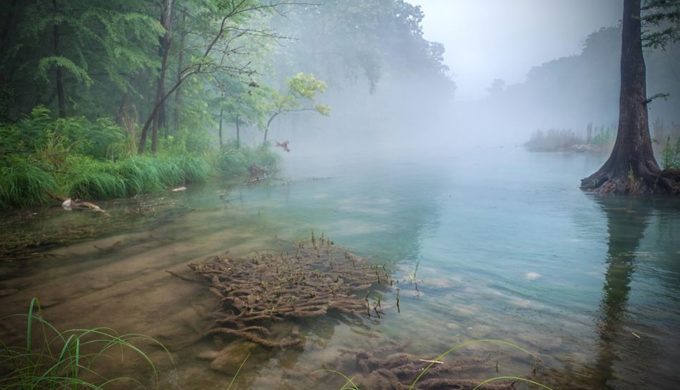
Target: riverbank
<point>45,161</point>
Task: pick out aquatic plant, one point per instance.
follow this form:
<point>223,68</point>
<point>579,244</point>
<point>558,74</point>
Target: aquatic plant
<point>65,359</point>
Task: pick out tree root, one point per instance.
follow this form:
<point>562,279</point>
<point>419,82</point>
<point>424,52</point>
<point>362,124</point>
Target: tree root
<point>382,368</point>
<point>313,280</point>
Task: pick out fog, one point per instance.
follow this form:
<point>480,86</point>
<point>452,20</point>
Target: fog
<point>466,75</point>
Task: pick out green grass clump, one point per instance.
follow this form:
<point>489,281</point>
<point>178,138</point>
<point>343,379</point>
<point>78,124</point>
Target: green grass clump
<point>86,178</point>
<point>24,183</point>
<point>54,359</point>
<point>196,168</point>
<point>140,175</point>
<point>671,154</point>
<point>170,171</point>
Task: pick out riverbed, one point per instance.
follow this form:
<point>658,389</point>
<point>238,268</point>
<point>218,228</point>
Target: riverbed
<point>495,243</point>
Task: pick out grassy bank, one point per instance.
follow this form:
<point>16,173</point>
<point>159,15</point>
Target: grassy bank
<point>43,158</point>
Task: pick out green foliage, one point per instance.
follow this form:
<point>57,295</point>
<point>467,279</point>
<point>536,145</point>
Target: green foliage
<point>233,162</point>
<point>306,85</point>
<point>140,175</point>
<point>662,18</point>
<point>66,359</point>
<point>302,91</point>
<point>196,168</point>
<point>86,178</point>
<point>23,183</point>
<point>671,154</point>
<point>56,138</point>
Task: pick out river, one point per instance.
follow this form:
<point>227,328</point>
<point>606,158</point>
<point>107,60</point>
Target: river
<point>495,244</point>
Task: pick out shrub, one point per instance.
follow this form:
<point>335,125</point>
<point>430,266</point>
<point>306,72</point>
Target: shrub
<point>233,162</point>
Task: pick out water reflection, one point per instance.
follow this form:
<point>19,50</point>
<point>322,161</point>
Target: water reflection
<point>626,226</point>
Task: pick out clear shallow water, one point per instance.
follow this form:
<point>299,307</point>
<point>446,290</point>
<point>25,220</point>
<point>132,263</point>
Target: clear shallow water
<point>510,250</point>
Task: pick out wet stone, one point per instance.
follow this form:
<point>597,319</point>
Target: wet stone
<point>229,359</point>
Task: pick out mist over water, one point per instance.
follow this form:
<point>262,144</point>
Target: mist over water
<point>421,168</point>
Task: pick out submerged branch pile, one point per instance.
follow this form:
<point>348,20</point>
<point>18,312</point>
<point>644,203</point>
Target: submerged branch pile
<point>314,278</point>
<point>388,368</point>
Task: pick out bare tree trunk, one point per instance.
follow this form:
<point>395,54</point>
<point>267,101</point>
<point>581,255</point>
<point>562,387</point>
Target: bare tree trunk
<point>238,132</point>
<point>159,120</point>
<point>159,103</point>
<point>180,66</point>
<point>221,116</point>
<point>123,108</point>
<point>59,74</point>
<point>631,167</point>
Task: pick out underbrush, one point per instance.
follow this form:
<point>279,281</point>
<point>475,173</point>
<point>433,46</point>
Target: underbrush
<point>671,154</point>
<point>23,183</point>
<point>42,158</point>
<point>75,358</point>
<point>553,140</point>
<point>233,162</point>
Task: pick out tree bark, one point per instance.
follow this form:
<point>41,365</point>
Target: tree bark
<point>221,116</point>
<point>59,74</point>
<point>238,132</point>
<point>159,120</point>
<point>180,66</point>
<point>631,167</point>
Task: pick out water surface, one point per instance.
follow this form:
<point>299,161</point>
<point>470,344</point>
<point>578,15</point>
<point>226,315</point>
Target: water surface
<point>512,251</point>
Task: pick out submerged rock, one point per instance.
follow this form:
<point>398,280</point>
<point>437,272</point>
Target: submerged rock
<point>229,359</point>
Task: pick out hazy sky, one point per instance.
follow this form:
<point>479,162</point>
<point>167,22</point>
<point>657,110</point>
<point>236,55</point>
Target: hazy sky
<point>488,39</point>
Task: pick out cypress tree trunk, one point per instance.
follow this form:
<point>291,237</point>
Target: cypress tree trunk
<point>59,74</point>
<point>631,167</point>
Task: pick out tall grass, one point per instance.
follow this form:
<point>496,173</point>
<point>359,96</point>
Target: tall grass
<point>86,178</point>
<point>54,359</point>
<point>671,154</point>
<point>24,183</point>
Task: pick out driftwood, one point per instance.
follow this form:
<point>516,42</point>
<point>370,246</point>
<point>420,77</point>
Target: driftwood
<point>311,280</point>
<point>70,204</point>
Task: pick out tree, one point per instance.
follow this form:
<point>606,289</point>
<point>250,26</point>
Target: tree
<point>222,27</point>
<point>631,167</point>
<point>302,90</point>
<point>663,19</point>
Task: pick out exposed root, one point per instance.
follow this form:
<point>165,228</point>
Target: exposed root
<point>313,280</point>
<point>382,369</point>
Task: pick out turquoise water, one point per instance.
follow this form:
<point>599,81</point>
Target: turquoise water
<point>499,244</point>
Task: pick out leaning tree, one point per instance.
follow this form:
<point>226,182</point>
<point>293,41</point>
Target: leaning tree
<point>631,167</point>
